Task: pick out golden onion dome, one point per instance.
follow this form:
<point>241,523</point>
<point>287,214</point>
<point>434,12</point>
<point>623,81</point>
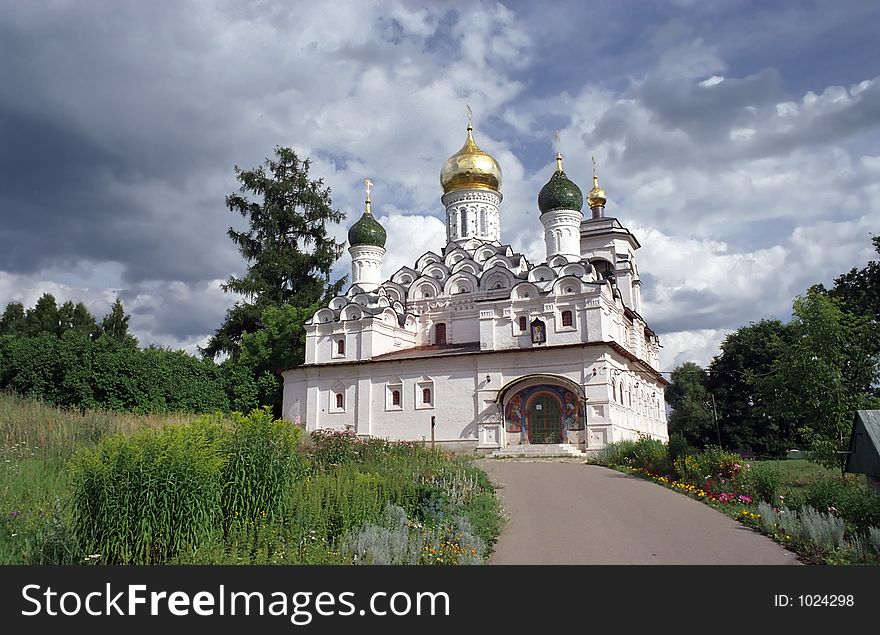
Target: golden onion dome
<point>597,196</point>
<point>470,167</point>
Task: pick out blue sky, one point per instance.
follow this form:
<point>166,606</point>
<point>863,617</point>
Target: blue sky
<point>738,140</point>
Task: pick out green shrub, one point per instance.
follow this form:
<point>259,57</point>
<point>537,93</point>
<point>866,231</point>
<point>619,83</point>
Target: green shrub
<point>334,447</point>
<point>713,469</point>
<point>759,481</point>
<point>853,501</point>
<point>650,455</point>
<point>148,498</point>
<point>615,454</point>
<point>677,447</point>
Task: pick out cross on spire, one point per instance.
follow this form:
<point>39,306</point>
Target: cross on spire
<point>556,144</point>
<point>368,185</point>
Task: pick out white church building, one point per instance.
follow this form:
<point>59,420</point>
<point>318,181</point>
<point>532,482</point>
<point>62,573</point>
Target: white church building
<point>478,348</point>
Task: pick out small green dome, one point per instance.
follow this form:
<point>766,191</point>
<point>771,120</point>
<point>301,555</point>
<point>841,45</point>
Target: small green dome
<point>560,193</point>
<point>367,231</point>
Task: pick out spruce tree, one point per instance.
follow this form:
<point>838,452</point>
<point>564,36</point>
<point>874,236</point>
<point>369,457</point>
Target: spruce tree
<point>287,247</point>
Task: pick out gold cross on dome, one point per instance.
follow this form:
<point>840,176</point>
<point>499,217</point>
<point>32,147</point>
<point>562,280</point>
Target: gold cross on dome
<point>368,185</point>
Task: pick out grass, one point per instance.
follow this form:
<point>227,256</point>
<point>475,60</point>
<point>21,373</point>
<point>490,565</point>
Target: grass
<point>46,431</point>
<point>98,487</point>
<point>797,474</point>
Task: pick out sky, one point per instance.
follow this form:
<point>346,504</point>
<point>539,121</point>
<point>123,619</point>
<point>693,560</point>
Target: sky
<point>738,140</point>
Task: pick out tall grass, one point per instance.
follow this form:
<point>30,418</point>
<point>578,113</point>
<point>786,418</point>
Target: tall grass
<point>261,468</point>
<point>145,499</point>
<point>55,432</point>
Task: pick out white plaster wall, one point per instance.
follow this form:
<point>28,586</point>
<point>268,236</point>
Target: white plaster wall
<point>464,389</point>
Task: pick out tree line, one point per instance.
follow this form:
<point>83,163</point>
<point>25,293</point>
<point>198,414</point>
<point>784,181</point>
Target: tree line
<point>778,386</point>
<point>64,355</point>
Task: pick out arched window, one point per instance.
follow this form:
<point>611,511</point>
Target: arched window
<point>340,400</point>
<point>340,347</point>
<point>523,323</point>
<point>440,333</point>
<point>483,221</point>
<point>464,223</point>
<point>426,395</point>
<point>614,389</point>
<point>395,398</point>
<point>566,318</point>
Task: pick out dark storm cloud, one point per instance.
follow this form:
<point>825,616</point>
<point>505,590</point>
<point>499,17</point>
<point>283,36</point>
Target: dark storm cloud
<point>107,126</point>
<point>185,312</point>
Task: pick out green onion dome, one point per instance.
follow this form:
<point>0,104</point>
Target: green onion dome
<point>560,193</point>
<point>367,231</point>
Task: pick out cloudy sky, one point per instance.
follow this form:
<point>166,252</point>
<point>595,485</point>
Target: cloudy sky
<point>738,140</point>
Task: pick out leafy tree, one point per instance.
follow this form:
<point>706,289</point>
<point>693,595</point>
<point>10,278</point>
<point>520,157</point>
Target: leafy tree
<point>43,318</point>
<point>287,247</point>
<point>747,354</point>
<point>115,324</point>
<point>859,290</point>
<point>279,344</point>
<point>12,321</point>
<point>76,317</point>
<point>823,375</point>
<point>691,405</point>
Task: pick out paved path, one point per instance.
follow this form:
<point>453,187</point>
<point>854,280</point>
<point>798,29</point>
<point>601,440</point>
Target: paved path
<point>572,513</point>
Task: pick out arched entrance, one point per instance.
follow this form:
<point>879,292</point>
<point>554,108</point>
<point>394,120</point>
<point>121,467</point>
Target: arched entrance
<point>543,409</point>
<point>544,418</point>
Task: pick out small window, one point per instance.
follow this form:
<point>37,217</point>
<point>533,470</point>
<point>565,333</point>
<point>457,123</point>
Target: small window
<point>340,400</point>
<point>566,318</point>
<point>523,323</point>
<point>340,347</point>
<point>395,398</point>
<point>426,395</point>
<point>440,333</point>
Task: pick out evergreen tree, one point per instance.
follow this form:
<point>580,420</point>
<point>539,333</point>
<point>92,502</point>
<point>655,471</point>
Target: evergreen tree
<point>287,247</point>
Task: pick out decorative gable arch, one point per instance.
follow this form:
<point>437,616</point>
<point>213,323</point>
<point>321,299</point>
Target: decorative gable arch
<point>497,277</point>
<point>461,282</point>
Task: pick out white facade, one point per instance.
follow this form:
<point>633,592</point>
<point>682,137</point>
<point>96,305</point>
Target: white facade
<point>494,350</point>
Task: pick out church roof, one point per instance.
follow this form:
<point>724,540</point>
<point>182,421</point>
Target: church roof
<point>367,231</point>
<point>485,270</point>
<point>560,192</point>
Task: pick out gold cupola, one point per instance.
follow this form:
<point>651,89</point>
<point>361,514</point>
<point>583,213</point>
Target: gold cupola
<point>596,198</point>
<point>470,167</point>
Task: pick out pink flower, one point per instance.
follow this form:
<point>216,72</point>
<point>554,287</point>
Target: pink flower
<point>742,498</point>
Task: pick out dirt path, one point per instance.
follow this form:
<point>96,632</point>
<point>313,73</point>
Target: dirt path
<point>571,513</point>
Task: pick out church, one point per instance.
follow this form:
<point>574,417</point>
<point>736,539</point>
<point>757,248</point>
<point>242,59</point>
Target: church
<point>478,349</point>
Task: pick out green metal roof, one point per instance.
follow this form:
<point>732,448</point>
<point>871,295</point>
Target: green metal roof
<point>864,444</point>
<point>560,193</point>
<point>367,231</point>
